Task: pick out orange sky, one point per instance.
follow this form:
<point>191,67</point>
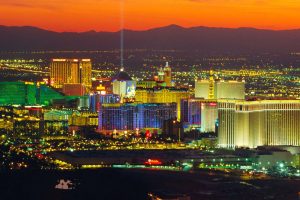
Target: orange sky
<point>104,15</point>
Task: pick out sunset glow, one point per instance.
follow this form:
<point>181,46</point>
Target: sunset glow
<point>104,15</point>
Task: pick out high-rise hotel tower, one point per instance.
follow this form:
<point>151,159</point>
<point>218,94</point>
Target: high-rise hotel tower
<point>168,75</point>
<point>219,89</point>
<point>70,71</point>
<point>258,123</point>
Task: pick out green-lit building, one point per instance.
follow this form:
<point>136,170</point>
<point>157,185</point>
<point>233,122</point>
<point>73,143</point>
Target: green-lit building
<point>27,93</point>
<point>46,94</point>
<point>20,93</point>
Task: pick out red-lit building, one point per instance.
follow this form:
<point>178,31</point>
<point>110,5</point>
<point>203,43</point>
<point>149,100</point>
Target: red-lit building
<point>75,89</point>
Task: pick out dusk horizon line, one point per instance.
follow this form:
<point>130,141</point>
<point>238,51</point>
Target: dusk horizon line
<point>151,28</point>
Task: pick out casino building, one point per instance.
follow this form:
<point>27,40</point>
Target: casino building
<point>219,89</point>
<point>199,114</point>
<point>124,86</point>
<point>258,123</point>
<point>134,116</point>
<point>162,95</point>
<point>70,71</point>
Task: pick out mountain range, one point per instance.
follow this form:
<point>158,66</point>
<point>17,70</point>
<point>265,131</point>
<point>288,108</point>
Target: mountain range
<point>172,37</point>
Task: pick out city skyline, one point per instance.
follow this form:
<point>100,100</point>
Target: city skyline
<point>78,16</point>
<point>158,102</point>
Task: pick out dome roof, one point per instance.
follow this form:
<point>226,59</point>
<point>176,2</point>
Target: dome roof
<point>122,76</point>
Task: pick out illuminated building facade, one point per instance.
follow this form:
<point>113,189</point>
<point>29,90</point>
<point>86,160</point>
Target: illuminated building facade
<point>96,99</point>
<point>134,116</point>
<point>70,118</point>
<point>28,122</point>
<point>70,71</point>
<point>205,89</point>
<point>209,116</point>
<point>168,75</point>
<point>45,95</point>
<point>84,119</point>
<point>162,95</point>
<point>83,102</point>
<point>102,85</point>
<point>59,115</point>
<point>210,89</point>
<point>161,75</point>
<point>123,85</point>
<point>191,112</point>
<point>75,89</point>
<point>229,89</point>
<point>200,114</point>
<point>27,93</point>
<point>202,89</point>
<point>20,93</point>
<point>146,84</point>
<point>153,115</point>
<point>7,115</point>
<point>117,117</point>
<point>258,123</point>
<point>164,78</point>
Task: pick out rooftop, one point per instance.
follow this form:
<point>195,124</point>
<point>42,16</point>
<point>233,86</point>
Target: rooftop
<point>122,76</point>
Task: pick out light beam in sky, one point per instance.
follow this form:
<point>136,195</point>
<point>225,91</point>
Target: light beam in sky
<point>122,33</point>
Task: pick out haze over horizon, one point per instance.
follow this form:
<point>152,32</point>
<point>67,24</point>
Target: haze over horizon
<point>151,28</point>
<point>104,15</point>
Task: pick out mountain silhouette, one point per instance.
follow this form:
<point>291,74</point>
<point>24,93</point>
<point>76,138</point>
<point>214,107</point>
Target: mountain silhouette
<point>172,37</point>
